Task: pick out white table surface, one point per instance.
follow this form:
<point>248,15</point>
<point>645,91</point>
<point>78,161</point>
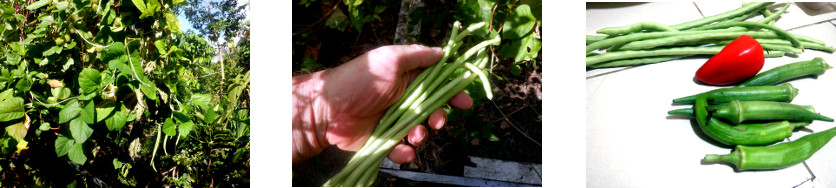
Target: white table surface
<point>632,142</point>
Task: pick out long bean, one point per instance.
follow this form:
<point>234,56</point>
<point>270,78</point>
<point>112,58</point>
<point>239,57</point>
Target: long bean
<point>745,9</point>
<point>610,56</point>
<point>778,31</point>
<point>641,26</point>
<point>428,93</point>
<point>643,36</point>
<point>674,40</point>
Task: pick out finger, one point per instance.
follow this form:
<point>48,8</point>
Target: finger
<point>461,100</point>
<point>417,135</point>
<point>408,57</point>
<point>437,119</point>
<point>402,154</point>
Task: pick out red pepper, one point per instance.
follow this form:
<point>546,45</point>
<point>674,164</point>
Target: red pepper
<point>739,60</point>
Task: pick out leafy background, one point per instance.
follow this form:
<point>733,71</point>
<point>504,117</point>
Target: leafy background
<point>105,93</point>
<point>329,33</point>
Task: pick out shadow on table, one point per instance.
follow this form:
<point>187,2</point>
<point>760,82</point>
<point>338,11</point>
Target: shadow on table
<point>816,8</point>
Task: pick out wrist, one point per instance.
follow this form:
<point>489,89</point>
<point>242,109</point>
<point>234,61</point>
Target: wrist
<point>309,116</point>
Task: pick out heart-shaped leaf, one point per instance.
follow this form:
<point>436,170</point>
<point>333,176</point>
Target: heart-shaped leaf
<point>519,23</point>
<point>80,130</point>
<point>89,80</point>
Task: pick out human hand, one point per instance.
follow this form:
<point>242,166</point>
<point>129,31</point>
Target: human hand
<point>341,106</point>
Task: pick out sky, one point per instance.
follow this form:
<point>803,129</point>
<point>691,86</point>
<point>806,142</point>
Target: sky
<point>185,25</point>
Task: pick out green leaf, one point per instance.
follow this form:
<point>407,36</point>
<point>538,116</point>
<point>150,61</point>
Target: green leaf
<point>209,116</point>
<point>516,69</point>
<point>80,130</point>
<point>24,84</point>
<point>169,128</point>
<point>69,112</point>
<point>357,19</point>
<point>519,23</point>
<point>523,49</point>
<point>104,111</point>
<point>62,5</point>
<point>172,24</point>
<point>11,109</point>
<point>118,120</point>
<point>201,100</point>
<point>12,58</point>
<point>309,64</point>
<point>38,4</point>
<point>17,131</point>
<point>140,4</point>
<point>338,20</point>
<point>5,95</point>
<point>160,45</point>
<point>88,114</point>
<point>150,90</point>
<point>43,61</point>
<point>536,7</point>
<point>85,97</point>
<point>44,127</point>
<point>114,55</point>
<point>70,62</point>
<point>52,50</point>
<point>89,80</point>
<point>76,153</point>
<point>185,128</point>
<point>116,163</point>
<point>180,117</point>
<point>63,145</point>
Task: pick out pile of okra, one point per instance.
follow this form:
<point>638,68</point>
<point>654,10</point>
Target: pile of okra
<point>756,116</point>
<point>649,42</point>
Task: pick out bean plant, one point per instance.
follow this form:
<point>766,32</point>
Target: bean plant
<point>113,93</point>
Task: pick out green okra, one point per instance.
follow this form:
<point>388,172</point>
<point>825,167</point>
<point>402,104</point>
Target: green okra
<point>750,134</point>
<point>740,111</point>
<point>779,93</point>
<point>711,108</point>
<point>776,156</point>
<point>814,67</point>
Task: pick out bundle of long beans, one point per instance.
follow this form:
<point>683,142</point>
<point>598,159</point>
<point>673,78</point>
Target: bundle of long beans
<point>431,89</point>
<point>648,42</point>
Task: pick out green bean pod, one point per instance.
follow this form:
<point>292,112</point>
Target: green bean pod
<point>780,93</point>
<point>776,156</point>
<point>815,67</point>
<point>641,26</point>
<point>738,112</point>
<point>750,134</point>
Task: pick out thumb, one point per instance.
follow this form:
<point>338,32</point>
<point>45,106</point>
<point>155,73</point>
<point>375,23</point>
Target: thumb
<point>410,57</point>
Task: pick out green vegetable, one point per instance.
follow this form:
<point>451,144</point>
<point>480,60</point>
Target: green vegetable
<point>744,10</point>
<point>780,93</point>
<point>648,26</point>
<point>750,134</point>
<point>431,89</point>
<point>724,35</point>
<point>778,31</point>
<point>744,134</point>
<point>619,55</point>
<point>776,156</point>
<point>737,112</point>
<point>815,67</point>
